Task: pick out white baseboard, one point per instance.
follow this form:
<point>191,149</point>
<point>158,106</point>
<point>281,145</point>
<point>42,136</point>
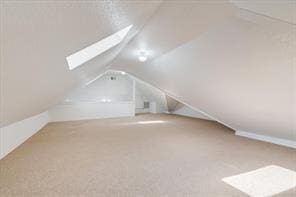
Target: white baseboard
<point>274,140</point>
<point>15,134</point>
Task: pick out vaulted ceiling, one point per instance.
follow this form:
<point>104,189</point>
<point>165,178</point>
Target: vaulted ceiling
<point>36,38</point>
<point>233,63</point>
<point>233,60</point>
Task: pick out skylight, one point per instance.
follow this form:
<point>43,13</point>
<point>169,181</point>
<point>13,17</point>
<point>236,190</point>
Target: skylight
<point>97,48</point>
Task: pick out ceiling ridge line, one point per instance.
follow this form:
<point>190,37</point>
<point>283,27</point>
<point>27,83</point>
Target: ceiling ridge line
<point>266,16</point>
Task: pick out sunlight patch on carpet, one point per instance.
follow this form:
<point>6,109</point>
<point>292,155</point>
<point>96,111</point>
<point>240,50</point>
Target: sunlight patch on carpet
<point>263,182</point>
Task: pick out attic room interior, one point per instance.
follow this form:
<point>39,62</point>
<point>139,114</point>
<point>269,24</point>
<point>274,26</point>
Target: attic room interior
<point>160,98</point>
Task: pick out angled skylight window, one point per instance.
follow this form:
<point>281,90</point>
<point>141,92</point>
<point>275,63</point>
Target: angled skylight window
<point>97,48</point>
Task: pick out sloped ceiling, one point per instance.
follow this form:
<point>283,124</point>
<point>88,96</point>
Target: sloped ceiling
<point>175,23</point>
<point>233,60</point>
<point>283,10</point>
<point>239,68</point>
<point>36,38</point>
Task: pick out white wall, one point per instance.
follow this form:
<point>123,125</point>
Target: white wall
<point>15,134</point>
<point>37,36</point>
<point>240,73</point>
<point>119,90</point>
<point>147,93</point>
<point>81,111</point>
<point>184,110</point>
<point>103,98</point>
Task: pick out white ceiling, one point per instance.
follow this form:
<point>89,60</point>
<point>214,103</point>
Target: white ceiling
<point>36,37</point>
<point>283,10</point>
<point>238,68</point>
<point>174,24</point>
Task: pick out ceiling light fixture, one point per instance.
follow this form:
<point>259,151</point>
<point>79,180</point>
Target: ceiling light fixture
<point>142,56</point>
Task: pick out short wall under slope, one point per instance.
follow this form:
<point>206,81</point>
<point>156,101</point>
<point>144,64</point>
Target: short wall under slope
<point>15,134</point>
<point>82,111</point>
<point>184,110</point>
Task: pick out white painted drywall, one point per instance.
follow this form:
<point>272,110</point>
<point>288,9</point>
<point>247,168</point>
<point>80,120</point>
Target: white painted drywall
<point>15,134</point>
<point>240,73</point>
<point>147,93</point>
<point>274,140</point>
<point>103,98</point>
<point>104,89</point>
<point>82,111</point>
<point>37,36</point>
<point>184,110</point>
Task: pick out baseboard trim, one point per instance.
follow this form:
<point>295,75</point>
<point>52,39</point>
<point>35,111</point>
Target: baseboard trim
<point>274,140</point>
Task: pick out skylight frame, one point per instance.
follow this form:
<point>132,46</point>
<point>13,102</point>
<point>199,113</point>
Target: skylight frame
<point>90,52</point>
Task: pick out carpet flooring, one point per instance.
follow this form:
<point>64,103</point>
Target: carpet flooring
<point>143,156</point>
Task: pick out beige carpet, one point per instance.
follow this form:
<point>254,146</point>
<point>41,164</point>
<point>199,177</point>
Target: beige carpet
<point>148,155</point>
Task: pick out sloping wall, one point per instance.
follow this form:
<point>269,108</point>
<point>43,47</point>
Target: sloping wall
<point>175,107</point>
<point>185,110</point>
<point>237,66</point>
<point>241,73</point>
<point>15,134</point>
<point>37,36</point>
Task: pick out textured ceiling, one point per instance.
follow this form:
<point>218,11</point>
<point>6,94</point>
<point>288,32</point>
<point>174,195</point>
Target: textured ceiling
<point>174,24</point>
<point>283,10</point>
<point>233,60</point>
<point>236,66</point>
<point>37,36</point>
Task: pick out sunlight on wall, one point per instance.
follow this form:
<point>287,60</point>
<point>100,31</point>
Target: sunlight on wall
<point>263,182</point>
